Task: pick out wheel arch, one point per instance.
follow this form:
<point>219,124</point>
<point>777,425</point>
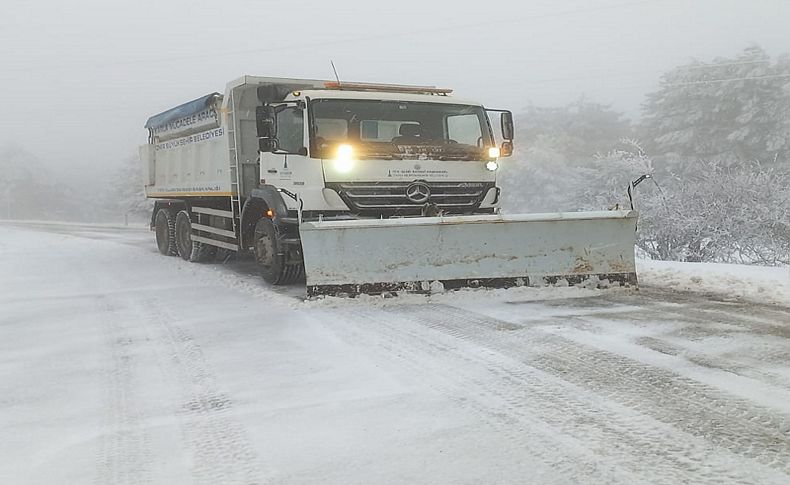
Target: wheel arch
<point>260,201</point>
<point>174,205</point>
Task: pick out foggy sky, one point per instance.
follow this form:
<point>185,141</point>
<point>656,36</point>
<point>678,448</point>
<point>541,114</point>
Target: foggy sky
<point>80,78</point>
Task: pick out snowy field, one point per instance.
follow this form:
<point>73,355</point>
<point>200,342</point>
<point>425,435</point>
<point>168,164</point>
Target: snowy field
<point>122,366</point>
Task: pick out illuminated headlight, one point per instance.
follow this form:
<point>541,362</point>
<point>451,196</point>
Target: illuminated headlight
<point>344,160</point>
<point>492,165</point>
<point>493,152</point>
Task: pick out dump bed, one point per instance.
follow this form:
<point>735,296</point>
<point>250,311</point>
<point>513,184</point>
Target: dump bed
<point>187,153</point>
<point>194,148</point>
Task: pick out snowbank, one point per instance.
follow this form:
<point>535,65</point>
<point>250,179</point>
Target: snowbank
<point>756,283</point>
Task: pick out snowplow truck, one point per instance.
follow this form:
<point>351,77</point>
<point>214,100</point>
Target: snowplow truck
<point>361,188</point>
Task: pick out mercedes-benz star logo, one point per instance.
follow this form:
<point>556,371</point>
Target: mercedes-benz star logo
<point>418,192</point>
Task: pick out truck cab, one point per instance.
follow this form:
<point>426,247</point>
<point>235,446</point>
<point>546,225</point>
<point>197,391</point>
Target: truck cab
<point>367,150</point>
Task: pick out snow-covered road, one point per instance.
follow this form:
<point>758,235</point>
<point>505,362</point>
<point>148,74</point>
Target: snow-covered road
<point>118,365</point>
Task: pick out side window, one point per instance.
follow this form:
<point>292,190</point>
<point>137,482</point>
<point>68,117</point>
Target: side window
<point>290,130</point>
<point>464,129</point>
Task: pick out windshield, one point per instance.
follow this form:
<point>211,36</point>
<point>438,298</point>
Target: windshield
<point>400,129</point>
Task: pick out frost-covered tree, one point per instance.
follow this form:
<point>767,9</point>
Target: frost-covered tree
<point>721,212</point>
<point>577,130</point>
<point>538,178</point>
<point>27,189</point>
<point>16,178</point>
<point>126,194</point>
<point>607,177</point>
<point>710,198</point>
<point>729,110</point>
<point>712,212</point>
<point>554,149</point>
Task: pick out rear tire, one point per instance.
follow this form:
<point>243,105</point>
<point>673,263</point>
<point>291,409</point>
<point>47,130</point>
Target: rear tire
<point>188,249</point>
<point>165,227</point>
<point>270,256</point>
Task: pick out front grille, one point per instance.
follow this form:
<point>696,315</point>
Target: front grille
<point>390,197</point>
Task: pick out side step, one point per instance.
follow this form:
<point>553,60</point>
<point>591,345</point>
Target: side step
<point>212,212</point>
<point>214,242</point>
<point>214,236</point>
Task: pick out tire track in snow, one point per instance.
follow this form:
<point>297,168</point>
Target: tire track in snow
<point>697,319</point>
<point>726,421</point>
<point>580,436</point>
<point>215,446</point>
<point>124,455</point>
<point>731,365</point>
<point>471,390</point>
<point>705,317</point>
<point>220,450</point>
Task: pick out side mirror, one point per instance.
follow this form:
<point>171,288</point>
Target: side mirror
<point>507,149</point>
<point>507,126</point>
<point>265,122</point>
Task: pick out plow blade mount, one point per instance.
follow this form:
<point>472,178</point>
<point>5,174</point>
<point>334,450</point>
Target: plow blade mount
<point>379,255</point>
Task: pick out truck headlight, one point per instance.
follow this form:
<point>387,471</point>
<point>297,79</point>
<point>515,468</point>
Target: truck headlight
<point>492,165</point>
<point>493,152</point>
<point>344,159</point>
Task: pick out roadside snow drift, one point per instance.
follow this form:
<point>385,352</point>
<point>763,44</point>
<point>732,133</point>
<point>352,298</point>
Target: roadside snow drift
<point>754,283</point>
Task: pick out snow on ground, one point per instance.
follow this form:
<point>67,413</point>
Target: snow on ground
<point>119,365</point>
<point>755,283</point>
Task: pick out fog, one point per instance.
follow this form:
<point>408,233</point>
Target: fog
<point>81,78</point>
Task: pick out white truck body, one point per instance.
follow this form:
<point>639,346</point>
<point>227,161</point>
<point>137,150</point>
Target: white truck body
<point>311,175</point>
<point>190,156</point>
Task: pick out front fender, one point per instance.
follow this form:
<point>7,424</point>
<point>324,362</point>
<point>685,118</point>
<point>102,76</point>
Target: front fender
<point>272,198</point>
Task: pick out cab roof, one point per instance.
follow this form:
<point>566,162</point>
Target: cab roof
<point>378,96</point>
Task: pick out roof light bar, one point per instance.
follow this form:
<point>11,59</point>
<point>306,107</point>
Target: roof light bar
<point>388,88</point>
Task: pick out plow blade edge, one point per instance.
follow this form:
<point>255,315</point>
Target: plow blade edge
<point>372,255</point>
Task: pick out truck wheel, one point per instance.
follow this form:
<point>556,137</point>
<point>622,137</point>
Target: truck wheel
<point>188,249</point>
<point>165,227</point>
<point>270,257</point>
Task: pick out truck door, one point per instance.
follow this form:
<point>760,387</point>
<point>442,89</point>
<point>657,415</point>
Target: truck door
<point>285,166</point>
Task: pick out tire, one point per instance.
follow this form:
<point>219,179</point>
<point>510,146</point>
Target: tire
<point>270,256</point>
<point>188,249</point>
<point>165,227</point>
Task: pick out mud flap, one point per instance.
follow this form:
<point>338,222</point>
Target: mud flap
<point>372,256</point>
